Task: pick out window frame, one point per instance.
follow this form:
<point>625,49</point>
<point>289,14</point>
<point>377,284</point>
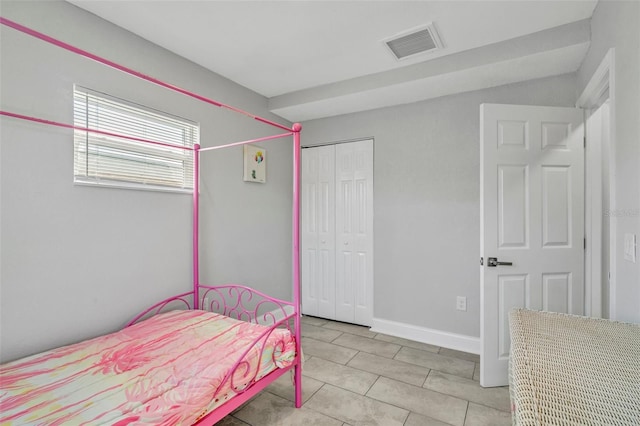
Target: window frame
<point>124,151</point>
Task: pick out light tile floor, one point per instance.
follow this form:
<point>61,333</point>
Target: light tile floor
<point>354,377</point>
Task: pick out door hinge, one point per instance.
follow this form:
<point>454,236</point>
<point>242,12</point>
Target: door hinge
<point>481,261</point>
<point>585,243</point>
<point>584,141</point>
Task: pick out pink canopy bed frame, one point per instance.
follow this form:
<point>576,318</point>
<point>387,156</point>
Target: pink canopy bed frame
<point>236,301</point>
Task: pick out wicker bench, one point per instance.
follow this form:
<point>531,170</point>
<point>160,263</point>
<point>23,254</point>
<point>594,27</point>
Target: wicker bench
<point>571,370</point>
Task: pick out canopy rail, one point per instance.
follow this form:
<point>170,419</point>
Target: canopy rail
<point>86,129</point>
<point>127,70</point>
<point>266,138</point>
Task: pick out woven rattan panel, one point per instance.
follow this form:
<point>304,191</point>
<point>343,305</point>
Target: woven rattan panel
<point>570,370</point>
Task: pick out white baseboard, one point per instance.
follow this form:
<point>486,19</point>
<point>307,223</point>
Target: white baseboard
<point>430,336</point>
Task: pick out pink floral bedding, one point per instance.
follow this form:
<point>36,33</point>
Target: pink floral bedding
<point>164,371</point>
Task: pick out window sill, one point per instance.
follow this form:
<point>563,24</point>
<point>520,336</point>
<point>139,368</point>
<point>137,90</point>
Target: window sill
<point>129,185</point>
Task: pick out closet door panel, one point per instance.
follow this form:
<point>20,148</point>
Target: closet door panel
<point>354,232</point>
<point>362,234</point>
<point>310,281</point>
<point>326,231</point>
<point>344,235</point>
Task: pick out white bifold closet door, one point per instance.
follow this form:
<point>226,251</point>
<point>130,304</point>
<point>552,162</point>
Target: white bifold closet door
<point>337,232</point>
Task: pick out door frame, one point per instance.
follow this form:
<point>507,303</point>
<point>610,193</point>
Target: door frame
<point>599,89</point>
<point>314,145</point>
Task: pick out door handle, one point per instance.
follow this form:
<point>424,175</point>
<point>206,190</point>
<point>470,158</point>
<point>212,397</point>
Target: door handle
<point>493,262</point>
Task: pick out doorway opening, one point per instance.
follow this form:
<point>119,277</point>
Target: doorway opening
<point>597,211</point>
<point>597,100</point>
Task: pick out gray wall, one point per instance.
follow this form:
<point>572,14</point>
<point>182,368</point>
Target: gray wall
<point>79,261</point>
<point>427,198</point>
<point>617,24</point>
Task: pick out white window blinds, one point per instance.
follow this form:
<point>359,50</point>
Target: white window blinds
<point>114,161</point>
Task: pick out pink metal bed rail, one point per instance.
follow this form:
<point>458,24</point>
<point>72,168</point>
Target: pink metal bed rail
<point>232,300</point>
<point>245,304</point>
<point>245,373</point>
<point>179,301</point>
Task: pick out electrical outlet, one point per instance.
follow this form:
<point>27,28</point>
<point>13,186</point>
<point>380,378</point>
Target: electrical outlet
<point>461,303</point>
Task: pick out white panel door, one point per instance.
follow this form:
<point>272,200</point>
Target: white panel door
<point>318,231</point>
<point>354,232</point>
<point>532,218</point>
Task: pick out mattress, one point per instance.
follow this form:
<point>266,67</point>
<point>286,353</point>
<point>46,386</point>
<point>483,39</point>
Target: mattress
<point>166,370</point>
<point>571,370</point>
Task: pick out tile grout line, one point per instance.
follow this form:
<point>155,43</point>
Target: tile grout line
<point>354,355</point>
<point>340,386</point>
<point>394,357</point>
<point>353,334</point>
<point>432,368</point>
<point>486,406</point>
<point>406,409</point>
<point>463,399</point>
<point>337,337</point>
<point>389,403</point>
<point>374,399</point>
<point>399,348</point>
<point>359,335</point>
<point>375,335</point>
<point>360,350</point>
<point>379,376</point>
<point>432,390</point>
<point>372,385</point>
<point>316,411</point>
<point>382,375</point>
<point>321,413</point>
<point>404,422</point>
<point>311,396</point>
<point>435,391</point>
<point>329,343</point>
<point>426,378</point>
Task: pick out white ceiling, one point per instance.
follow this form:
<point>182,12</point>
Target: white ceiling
<point>321,58</point>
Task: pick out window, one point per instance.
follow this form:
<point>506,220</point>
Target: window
<point>114,161</point>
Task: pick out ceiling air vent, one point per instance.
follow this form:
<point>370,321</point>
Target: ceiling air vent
<point>412,42</point>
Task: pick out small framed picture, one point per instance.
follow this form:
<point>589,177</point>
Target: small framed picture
<point>255,164</point>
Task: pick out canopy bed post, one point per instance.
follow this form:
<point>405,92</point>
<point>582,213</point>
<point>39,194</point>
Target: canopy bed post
<point>296,257</point>
<point>196,218</point>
